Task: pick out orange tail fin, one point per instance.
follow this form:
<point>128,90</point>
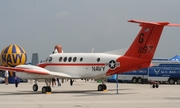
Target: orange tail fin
<point>144,45</point>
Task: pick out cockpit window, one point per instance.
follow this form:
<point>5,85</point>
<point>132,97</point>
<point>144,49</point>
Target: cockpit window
<point>50,59</point>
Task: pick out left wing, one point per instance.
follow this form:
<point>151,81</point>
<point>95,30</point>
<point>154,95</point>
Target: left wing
<point>37,70</point>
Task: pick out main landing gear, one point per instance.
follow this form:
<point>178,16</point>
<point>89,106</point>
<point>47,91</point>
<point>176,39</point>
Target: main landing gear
<point>102,86</point>
<point>45,89</point>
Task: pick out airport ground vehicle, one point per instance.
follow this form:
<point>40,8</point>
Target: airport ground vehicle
<point>162,71</point>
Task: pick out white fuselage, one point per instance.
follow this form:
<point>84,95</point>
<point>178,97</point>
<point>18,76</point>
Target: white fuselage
<point>82,65</point>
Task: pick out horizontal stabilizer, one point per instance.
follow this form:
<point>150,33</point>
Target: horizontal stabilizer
<point>154,23</point>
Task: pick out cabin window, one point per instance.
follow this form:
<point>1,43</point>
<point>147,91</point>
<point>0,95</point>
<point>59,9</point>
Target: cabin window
<point>98,59</point>
<point>65,59</point>
<point>81,59</point>
<point>74,59</point>
<point>50,59</point>
<point>70,58</point>
<point>60,59</point>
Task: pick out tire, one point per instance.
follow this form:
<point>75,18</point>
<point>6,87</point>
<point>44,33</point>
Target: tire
<point>48,89</point>
<point>100,87</point>
<point>44,89</point>
<point>139,80</point>
<point>134,80</point>
<point>104,86</point>
<point>153,86</point>
<point>178,81</point>
<point>157,85</point>
<point>35,87</point>
<point>171,81</point>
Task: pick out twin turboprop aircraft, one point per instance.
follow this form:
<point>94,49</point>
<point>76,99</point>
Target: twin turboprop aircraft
<point>96,65</point>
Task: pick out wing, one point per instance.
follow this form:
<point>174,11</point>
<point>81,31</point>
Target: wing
<point>38,70</point>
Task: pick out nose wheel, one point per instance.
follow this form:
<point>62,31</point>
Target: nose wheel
<point>35,87</point>
<point>102,87</point>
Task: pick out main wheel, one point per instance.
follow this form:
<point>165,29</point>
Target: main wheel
<point>35,87</point>
<point>104,86</point>
<point>48,89</point>
<point>44,89</point>
<point>100,87</point>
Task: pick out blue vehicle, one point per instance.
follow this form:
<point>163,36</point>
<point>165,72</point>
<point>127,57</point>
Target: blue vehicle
<point>166,71</point>
<point>162,71</point>
<point>133,76</point>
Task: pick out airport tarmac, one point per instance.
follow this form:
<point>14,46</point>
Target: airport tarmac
<point>85,95</point>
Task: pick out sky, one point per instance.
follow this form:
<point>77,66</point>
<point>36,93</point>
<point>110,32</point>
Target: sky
<point>80,25</point>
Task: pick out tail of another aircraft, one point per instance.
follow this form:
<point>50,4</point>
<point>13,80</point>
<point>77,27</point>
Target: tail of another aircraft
<point>145,44</point>
<point>35,59</point>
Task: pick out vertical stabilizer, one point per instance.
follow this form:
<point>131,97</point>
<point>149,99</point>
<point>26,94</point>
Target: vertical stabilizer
<point>145,44</point>
<point>141,51</point>
<point>35,59</point>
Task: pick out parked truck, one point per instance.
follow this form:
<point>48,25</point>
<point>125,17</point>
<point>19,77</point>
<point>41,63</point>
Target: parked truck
<point>161,71</point>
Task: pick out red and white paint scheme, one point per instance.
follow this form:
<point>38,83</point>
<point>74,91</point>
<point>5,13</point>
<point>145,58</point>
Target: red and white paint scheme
<point>96,65</point>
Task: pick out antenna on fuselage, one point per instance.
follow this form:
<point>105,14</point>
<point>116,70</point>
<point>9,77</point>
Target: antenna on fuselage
<point>92,50</point>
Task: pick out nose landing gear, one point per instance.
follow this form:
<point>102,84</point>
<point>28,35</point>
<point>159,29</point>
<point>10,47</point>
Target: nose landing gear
<point>35,86</point>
